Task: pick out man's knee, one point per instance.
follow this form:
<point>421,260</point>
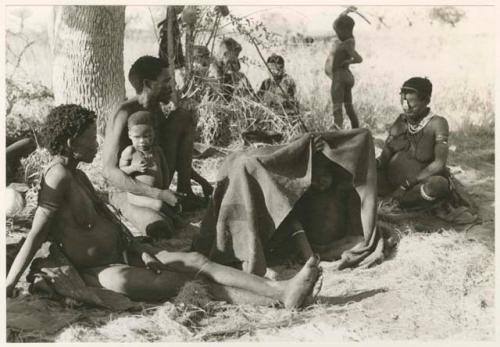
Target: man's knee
<point>435,187</point>
<point>195,260</point>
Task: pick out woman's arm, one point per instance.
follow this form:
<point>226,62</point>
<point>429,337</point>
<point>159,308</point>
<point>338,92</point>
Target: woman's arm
<point>56,182</point>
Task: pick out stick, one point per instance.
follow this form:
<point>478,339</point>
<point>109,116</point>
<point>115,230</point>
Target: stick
<point>359,14</point>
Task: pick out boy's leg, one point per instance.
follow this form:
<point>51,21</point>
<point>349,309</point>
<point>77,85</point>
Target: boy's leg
<point>349,109</point>
<point>337,93</point>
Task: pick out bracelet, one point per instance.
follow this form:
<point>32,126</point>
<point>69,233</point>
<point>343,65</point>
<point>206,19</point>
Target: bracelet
<point>408,184</point>
<point>298,232</point>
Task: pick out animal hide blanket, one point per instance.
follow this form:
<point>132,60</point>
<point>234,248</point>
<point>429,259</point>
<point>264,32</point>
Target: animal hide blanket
<point>258,189</point>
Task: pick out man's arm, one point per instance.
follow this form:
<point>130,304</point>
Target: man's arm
<point>110,155</point>
<point>57,182</point>
<point>441,133</point>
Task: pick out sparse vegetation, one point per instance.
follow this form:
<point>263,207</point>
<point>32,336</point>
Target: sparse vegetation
<point>435,286</point>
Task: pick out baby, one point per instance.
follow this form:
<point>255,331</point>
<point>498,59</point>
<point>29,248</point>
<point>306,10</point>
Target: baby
<point>144,161</point>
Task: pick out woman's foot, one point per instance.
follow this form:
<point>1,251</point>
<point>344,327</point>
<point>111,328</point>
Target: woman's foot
<point>302,285</point>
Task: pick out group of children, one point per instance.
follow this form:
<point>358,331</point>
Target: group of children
<point>220,75</point>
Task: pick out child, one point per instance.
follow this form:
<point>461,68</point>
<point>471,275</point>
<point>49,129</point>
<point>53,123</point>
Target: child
<point>278,92</point>
<point>70,212</point>
<point>144,161</point>
<point>343,54</point>
<point>234,82</point>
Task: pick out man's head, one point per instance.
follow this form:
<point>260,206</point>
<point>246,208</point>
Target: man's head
<point>415,96</point>
<point>343,27</point>
<point>228,48</point>
<point>150,78</point>
<point>140,130</point>
<point>276,64</point>
<point>70,130</point>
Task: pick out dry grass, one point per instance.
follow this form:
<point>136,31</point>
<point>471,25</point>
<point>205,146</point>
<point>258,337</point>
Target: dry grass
<point>435,286</point>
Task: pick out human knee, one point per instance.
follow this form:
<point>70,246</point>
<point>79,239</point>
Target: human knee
<point>195,260</point>
<point>434,187</point>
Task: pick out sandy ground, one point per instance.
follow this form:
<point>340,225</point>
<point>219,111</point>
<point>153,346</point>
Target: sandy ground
<point>434,286</point>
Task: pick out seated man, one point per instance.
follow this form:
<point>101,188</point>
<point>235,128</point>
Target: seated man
<point>150,78</point>
<point>72,217</point>
<point>412,166</point>
<point>278,91</point>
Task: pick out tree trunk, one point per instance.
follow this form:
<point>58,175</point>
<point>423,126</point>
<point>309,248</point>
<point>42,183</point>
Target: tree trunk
<point>88,58</point>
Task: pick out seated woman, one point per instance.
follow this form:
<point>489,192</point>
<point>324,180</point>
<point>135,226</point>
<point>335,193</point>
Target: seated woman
<point>412,166</point>
<point>70,214</point>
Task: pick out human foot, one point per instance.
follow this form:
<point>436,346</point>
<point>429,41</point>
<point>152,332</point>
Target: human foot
<point>302,284</point>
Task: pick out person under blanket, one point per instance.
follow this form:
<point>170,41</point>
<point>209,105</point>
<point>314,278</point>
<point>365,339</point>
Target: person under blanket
<point>69,214</point>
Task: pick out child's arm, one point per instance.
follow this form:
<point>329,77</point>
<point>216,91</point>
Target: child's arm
<point>56,183</point>
<point>125,163</point>
<point>329,64</point>
<point>355,58</point>
<point>348,10</point>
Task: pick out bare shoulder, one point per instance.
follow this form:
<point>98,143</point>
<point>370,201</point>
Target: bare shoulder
<point>439,124</point>
<point>123,111</point>
<point>57,176</point>
<point>128,151</point>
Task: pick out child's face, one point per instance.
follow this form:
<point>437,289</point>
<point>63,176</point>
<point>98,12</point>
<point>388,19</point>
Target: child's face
<point>276,69</point>
<point>84,146</point>
<point>141,137</point>
<point>200,62</point>
<point>342,33</point>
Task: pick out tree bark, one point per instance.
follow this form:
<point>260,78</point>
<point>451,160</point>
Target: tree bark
<point>88,58</point>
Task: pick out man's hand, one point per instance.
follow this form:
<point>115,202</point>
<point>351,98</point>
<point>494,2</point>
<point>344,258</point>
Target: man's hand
<point>318,143</point>
<point>151,262</point>
<point>169,197</point>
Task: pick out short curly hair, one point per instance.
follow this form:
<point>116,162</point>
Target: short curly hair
<point>146,67</point>
<point>65,122</point>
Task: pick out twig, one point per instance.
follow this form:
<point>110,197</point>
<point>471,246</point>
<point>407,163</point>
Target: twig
<point>154,26</point>
<point>20,56</point>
